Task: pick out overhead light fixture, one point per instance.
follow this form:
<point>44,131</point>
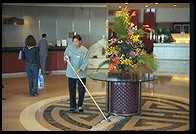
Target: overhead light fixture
<point>119,6</point>
<point>174,5</point>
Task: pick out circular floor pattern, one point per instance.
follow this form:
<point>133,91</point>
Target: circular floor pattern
<point>159,113</point>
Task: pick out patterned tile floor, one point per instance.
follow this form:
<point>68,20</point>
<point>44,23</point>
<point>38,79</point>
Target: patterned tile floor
<point>165,106</point>
<point>159,113</point>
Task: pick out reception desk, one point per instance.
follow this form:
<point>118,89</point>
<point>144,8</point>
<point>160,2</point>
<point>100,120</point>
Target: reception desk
<point>123,95</point>
<point>173,58</point>
<point>11,64</point>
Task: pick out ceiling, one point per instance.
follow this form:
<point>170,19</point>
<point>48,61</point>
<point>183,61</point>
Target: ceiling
<point>111,6</point>
<point>114,6</point>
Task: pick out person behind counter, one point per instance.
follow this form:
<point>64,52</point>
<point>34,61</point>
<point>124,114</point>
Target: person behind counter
<point>78,57</point>
<point>43,53</point>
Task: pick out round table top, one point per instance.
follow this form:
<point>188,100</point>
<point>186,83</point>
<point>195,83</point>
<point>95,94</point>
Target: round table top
<point>112,77</point>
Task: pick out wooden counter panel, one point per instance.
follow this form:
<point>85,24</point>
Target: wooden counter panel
<point>11,64</point>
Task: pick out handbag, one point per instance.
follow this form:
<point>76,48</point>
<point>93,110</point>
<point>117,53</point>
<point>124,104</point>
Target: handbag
<point>21,54</point>
<point>40,81</point>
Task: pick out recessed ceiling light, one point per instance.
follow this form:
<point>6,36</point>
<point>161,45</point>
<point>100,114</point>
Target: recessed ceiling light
<point>174,5</point>
<point>119,6</point>
<point>146,5</point>
<point>156,3</point>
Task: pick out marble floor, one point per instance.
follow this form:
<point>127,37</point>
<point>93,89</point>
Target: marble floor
<point>165,106</point>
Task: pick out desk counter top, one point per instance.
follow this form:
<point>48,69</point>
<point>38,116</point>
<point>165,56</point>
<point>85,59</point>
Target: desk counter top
<point>17,49</point>
<point>171,45</point>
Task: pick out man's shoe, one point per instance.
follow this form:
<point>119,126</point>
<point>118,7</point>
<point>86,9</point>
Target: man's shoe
<point>80,110</point>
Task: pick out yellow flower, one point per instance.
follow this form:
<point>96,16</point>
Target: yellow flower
<point>118,13</point>
<point>135,38</point>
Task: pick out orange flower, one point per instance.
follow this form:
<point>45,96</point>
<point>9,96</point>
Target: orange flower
<point>115,60</point>
<point>111,67</point>
<point>146,26</point>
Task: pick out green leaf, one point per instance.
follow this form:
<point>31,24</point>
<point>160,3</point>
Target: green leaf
<point>107,61</point>
<point>140,32</point>
<point>149,61</point>
<point>120,27</point>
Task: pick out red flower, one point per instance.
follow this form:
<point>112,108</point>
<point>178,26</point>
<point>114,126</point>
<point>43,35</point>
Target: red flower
<point>146,26</point>
<point>148,29</point>
<point>111,67</point>
<point>115,60</point>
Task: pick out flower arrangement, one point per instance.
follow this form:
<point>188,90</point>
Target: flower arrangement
<point>126,52</point>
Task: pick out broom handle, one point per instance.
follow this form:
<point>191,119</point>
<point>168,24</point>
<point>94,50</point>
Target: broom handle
<point>86,88</point>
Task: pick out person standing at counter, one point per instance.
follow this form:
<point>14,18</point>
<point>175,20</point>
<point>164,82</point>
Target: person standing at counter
<point>32,64</point>
<point>43,53</point>
<point>78,57</point>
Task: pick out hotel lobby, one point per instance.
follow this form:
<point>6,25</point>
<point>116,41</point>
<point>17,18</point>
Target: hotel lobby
<point>165,103</point>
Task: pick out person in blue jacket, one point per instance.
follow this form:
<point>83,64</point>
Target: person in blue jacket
<point>78,57</point>
<point>32,64</point>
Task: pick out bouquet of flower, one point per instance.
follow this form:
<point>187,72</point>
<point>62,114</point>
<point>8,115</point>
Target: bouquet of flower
<point>126,52</point>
